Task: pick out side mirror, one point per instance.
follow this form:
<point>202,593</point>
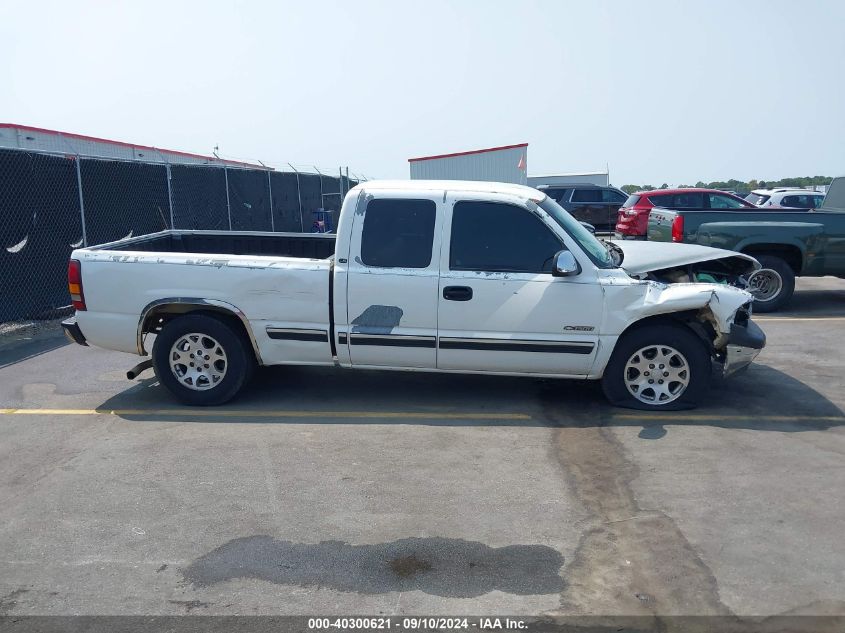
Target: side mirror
<point>565,264</point>
<point>589,227</point>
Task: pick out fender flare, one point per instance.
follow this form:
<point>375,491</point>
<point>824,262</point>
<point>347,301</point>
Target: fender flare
<point>216,304</point>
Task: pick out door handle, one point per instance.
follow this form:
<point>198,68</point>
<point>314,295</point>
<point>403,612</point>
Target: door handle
<point>457,293</point>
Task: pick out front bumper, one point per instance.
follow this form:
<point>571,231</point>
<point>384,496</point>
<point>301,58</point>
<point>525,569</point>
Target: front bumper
<point>744,344</point>
<point>72,331</point>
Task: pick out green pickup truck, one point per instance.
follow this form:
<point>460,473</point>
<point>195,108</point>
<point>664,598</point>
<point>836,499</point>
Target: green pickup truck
<point>787,244</point>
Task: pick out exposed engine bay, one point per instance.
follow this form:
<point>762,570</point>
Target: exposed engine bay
<point>730,271</point>
<point>687,263</point>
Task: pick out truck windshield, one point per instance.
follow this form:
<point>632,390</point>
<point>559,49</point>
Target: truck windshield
<point>595,250</point>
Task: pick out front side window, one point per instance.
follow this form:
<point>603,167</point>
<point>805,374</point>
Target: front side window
<point>614,197</point>
<point>398,233</point>
<point>817,201</point>
<point>718,201</point>
<point>499,237</point>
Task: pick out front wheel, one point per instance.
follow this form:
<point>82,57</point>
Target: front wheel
<point>658,368</point>
<point>202,360</point>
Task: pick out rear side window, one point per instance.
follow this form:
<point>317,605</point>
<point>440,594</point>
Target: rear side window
<point>661,200</point>
<point>498,237</point>
<point>398,233</point>
<point>692,200</point>
<point>631,201</point>
<point>798,202</point>
<point>817,201</point>
<point>586,195</point>
<point>756,198</point>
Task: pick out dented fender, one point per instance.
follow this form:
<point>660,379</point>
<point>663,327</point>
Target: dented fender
<point>627,304</point>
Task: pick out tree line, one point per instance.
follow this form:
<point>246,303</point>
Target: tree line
<point>740,186</point>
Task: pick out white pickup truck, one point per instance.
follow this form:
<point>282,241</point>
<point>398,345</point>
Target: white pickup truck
<point>422,276</point>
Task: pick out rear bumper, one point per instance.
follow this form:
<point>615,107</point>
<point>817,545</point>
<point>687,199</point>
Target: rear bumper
<point>744,344</point>
<point>72,331</point>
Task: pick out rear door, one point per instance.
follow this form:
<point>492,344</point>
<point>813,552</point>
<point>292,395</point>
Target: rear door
<point>500,308</point>
<point>392,282</point>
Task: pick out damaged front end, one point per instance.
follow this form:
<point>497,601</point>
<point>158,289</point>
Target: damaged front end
<point>719,314</point>
<point>672,263</point>
<point>705,288</point>
<point>744,343</point>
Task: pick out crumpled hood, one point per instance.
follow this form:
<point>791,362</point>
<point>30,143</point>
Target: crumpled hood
<point>642,257</point>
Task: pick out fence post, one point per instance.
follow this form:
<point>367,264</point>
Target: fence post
<point>228,204</point>
<point>81,201</point>
<point>170,197</point>
<point>322,202</point>
<point>299,195</point>
<point>270,189</point>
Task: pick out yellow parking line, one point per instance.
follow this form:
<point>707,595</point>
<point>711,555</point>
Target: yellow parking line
<point>842,318</point>
<point>670,417</point>
<point>228,413</point>
<point>667,417</point>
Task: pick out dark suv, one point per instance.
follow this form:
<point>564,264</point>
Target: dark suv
<point>593,204</point>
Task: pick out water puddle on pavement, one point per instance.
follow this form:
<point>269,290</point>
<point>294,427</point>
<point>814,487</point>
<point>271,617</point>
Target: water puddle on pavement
<point>439,566</point>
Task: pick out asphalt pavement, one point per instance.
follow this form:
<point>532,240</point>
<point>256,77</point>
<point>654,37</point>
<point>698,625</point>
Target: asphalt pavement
<point>330,491</point>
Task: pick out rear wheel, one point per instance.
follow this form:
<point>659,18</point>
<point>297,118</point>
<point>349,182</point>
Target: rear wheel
<point>202,360</point>
<point>658,367</point>
<point>772,285</point>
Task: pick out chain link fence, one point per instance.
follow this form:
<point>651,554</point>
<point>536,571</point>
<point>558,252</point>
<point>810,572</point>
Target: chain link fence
<point>52,203</point>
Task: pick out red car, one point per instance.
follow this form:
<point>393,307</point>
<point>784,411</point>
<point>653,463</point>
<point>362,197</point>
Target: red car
<point>632,221</point>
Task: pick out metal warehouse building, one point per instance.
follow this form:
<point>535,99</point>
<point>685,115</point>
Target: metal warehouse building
<point>26,137</point>
<point>601,178</point>
<point>496,164</point>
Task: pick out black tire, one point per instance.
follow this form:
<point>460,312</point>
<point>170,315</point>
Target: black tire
<point>239,359</point>
<point>787,276</point>
<point>677,336</point>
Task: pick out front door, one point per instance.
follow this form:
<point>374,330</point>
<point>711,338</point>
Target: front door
<point>392,283</point>
<point>500,309</point>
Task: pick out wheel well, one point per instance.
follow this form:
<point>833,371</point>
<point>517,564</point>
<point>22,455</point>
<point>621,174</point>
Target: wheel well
<point>788,253</point>
<point>687,318</point>
<point>159,316</point>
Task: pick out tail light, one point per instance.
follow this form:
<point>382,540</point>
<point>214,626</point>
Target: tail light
<point>74,284</point>
<point>630,212</point>
<point>678,229</point>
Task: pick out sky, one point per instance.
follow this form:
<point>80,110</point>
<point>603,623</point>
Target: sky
<point>671,92</point>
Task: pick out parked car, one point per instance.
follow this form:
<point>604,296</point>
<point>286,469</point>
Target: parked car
<point>430,276</point>
<point>632,220</point>
<point>786,198</point>
<point>593,204</point>
<point>787,242</point>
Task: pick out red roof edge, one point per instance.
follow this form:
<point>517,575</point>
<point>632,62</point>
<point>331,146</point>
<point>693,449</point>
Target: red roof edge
<point>474,151</point>
<point>83,137</point>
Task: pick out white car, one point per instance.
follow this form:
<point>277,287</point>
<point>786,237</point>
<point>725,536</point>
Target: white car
<point>466,277</point>
<point>786,198</point>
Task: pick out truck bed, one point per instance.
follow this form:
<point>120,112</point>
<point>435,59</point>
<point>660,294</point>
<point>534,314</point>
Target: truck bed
<point>309,246</point>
